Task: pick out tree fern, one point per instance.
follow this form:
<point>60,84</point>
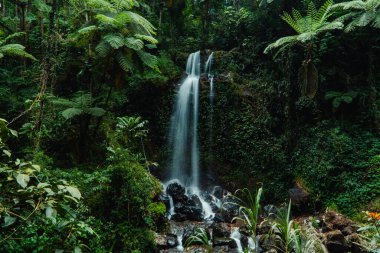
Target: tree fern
<point>307,27</point>
<point>81,103</point>
<point>119,33</point>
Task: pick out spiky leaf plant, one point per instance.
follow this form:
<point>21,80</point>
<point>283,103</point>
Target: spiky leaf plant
<point>201,237</point>
<point>308,28</point>
<point>249,209</point>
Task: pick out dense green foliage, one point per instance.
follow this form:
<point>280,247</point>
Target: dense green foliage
<point>89,86</point>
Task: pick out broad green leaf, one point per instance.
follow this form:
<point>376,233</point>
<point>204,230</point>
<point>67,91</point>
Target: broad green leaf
<point>9,154</point>
<point>74,192</point>
<point>37,167</point>
<point>50,212</point>
<point>8,220</point>
<point>23,180</point>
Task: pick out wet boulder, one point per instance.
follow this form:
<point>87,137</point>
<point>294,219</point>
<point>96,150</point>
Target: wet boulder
<point>299,196</point>
<point>166,241</point>
<point>229,210</point>
<point>225,241</point>
<point>218,192</point>
<point>221,229</point>
<point>190,209</point>
<point>177,192</point>
<point>270,211</point>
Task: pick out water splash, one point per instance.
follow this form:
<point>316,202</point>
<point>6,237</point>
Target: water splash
<point>235,234</point>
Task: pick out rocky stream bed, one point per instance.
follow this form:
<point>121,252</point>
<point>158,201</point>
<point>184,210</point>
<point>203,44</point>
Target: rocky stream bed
<point>189,209</point>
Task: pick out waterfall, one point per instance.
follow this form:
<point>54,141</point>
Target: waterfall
<point>184,135</point>
<point>184,131</point>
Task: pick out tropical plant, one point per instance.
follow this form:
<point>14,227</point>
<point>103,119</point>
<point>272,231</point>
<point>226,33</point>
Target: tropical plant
<point>371,232</point>
<point>249,209</point>
<point>338,98</point>
<point>293,238</point>
<point>359,14</point>
<point>117,33</point>
<point>80,104</point>
<point>133,126</point>
<point>29,199</point>
<point>201,237</point>
<point>12,49</point>
<point>308,28</point>
<point>285,227</point>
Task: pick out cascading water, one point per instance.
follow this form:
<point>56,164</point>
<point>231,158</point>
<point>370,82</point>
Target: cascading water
<point>235,234</point>
<point>210,77</point>
<point>184,135</point>
<point>184,131</point>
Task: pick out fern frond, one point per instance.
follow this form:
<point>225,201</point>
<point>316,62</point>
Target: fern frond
<point>12,36</point>
<point>148,59</point>
<point>123,4</point>
<point>82,99</point>
<point>335,25</point>
<point>312,12</point>
<point>135,44</point>
<point>88,30</point>
<point>95,111</point>
<point>376,22</point>
<point>280,42</point>
<point>351,5</point>
<point>41,6</point>
<point>70,113</point>
<point>103,19</point>
<point>143,26</point>
<point>101,4</point>
<point>146,38</point>
<point>15,50</point>
<point>125,62</point>
<point>103,49</point>
<point>324,11</point>
<point>114,40</point>
<point>291,22</point>
<point>365,19</point>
